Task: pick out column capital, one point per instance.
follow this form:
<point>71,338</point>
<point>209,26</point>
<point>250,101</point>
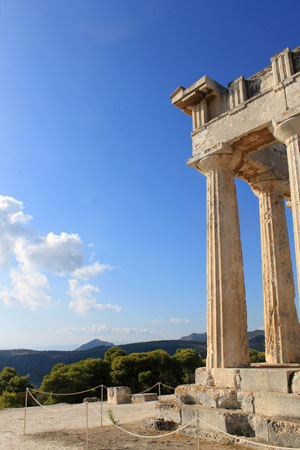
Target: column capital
<point>267,182</point>
<point>286,129</point>
<point>224,159</point>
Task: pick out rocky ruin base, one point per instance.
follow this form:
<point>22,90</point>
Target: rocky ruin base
<point>261,403</point>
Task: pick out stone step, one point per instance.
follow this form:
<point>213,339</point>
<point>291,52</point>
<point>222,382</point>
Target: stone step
<point>259,378</point>
<point>273,404</point>
<point>275,431</point>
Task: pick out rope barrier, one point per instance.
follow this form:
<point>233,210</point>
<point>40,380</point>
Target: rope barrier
<point>140,435</point>
<point>149,389</point>
<point>159,383</point>
<point>52,409</point>
<point>69,393</point>
<point>165,385</point>
<point>236,439</point>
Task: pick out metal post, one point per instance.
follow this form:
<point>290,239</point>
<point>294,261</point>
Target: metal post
<point>198,441</point>
<point>101,404</point>
<point>159,391</point>
<point>87,424</point>
<point>25,411</point>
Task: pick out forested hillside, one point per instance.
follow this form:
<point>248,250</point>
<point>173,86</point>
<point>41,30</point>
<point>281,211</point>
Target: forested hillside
<point>37,364</point>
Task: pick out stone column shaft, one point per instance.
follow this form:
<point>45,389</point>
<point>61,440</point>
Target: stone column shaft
<point>227,339</point>
<point>288,132</point>
<point>282,332</point>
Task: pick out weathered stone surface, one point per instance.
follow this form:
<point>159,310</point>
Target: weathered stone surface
<point>295,383</point>
<point>285,433</point>
<point>227,340</point>
<point>245,401</point>
<point>169,411</point>
<point>118,395</point>
<point>211,397</point>
<point>277,404</point>
<point>266,379</point>
<point>203,377</point>
<point>142,398</point>
<point>233,422</point>
<point>288,132</point>
<point>282,331</point>
<point>156,424</point>
<point>222,378</point>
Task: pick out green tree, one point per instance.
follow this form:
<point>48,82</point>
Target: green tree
<point>188,360</point>
<point>256,356</point>
<point>142,370</point>
<point>11,381</point>
<point>76,377</point>
<point>8,400</point>
<point>112,353</point>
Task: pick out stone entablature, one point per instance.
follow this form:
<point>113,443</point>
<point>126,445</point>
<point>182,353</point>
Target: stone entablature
<point>241,115</point>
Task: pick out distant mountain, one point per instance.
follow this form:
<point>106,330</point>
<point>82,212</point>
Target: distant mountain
<point>254,335</point>
<point>195,337</point>
<point>94,343</point>
<point>256,339</point>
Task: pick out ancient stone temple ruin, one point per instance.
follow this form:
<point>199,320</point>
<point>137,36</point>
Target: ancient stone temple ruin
<point>249,130</point>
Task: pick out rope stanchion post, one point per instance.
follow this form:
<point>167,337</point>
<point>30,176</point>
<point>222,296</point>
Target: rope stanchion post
<point>101,405</point>
<point>25,410</point>
<point>159,389</point>
<point>198,440</point>
<point>87,424</point>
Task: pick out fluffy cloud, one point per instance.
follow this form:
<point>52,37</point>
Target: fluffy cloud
<point>84,299</point>
<point>58,254</point>
<point>87,272</point>
<point>12,220</point>
<point>30,289</point>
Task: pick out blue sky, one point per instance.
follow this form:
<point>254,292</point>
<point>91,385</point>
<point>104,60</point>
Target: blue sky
<point>102,223</point>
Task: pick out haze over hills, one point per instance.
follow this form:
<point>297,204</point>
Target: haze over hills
<point>36,364</point>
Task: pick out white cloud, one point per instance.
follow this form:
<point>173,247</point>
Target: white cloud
<point>59,254</point>
<point>30,289</point>
<point>86,272</point>
<point>11,211</point>
<point>84,300</point>
<point>177,321</point>
<point>12,220</point>
<point>31,258</point>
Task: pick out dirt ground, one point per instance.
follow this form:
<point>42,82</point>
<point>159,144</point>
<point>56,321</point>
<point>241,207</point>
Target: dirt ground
<point>62,427</point>
<point>109,438</point>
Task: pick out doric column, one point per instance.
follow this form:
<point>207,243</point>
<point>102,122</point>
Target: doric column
<point>288,132</point>
<point>227,340</point>
<point>282,332</point>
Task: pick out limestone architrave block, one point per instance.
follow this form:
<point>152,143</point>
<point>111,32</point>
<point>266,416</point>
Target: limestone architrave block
<point>282,331</point>
<point>288,132</point>
<point>227,340</point>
